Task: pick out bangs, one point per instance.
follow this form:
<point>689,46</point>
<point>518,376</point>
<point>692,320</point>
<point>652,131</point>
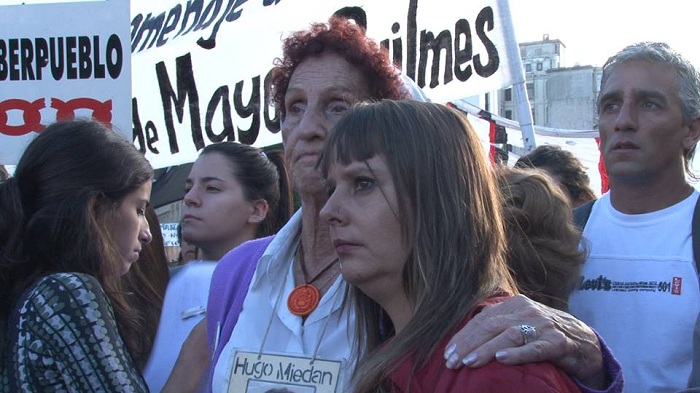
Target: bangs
<point>358,136</point>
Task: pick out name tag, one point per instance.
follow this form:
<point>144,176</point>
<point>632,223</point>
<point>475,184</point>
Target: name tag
<point>253,373</point>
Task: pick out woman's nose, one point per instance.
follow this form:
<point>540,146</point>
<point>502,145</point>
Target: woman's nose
<point>330,213</point>
<point>145,236</point>
<point>190,198</point>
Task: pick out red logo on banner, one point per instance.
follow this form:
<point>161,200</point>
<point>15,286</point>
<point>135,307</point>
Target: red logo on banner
<point>30,114</point>
<point>676,286</point>
<point>65,110</point>
<point>101,111</point>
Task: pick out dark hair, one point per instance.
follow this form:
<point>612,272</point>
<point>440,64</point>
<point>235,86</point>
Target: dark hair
<point>263,175</point>
<point>544,246</point>
<point>564,166</point>
<point>450,215</point>
<point>145,283</point>
<point>53,211</point>
<point>346,39</point>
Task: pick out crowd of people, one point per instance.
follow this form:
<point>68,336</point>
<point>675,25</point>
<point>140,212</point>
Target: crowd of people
<point>413,264</point>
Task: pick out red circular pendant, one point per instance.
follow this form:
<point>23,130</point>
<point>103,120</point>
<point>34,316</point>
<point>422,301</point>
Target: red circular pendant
<point>303,300</point>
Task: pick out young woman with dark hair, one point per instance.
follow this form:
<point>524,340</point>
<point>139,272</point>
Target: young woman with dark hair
<point>234,193</point>
<point>72,222</point>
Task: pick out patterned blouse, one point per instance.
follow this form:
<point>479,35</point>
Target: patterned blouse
<point>63,337</point>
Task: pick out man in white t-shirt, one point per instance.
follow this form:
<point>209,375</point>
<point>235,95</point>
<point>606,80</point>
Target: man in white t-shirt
<point>639,286</point>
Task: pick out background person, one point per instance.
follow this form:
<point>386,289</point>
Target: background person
<point>234,193</point>
<point>544,246</point>
<point>188,251</point>
<point>422,246</point>
<point>72,222</point>
<point>564,168</point>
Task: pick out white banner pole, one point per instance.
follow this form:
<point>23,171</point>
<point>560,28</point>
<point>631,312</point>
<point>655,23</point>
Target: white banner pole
<point>522,101</point>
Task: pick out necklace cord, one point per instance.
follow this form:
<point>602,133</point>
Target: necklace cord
<point>299,257</point>
<point>323,331</point>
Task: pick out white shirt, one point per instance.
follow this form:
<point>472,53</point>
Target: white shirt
<point>184,306</point>
<point>273,280</point>
<point>639,290</point>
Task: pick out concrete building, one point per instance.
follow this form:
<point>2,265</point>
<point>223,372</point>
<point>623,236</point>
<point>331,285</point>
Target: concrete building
<point>571,97</point>
<point>560,96</point>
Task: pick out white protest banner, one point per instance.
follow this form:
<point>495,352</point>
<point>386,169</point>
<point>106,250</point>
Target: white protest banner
<point>169,233</point>
<point>59,61</point>
<point>200,65</point>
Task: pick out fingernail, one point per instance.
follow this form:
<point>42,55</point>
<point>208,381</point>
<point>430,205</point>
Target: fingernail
<point>450,350</point>
<point>501,355</point>
<point>469,360</point>
<point>453,361</point>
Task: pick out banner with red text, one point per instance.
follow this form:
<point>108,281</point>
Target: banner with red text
<point>59,61</point>
<point>200,65</point>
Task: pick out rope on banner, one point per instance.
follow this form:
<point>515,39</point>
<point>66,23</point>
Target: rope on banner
<point>496,122</point>
<point>498,137</point>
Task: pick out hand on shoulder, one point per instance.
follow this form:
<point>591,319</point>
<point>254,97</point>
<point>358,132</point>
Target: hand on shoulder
<point>559,338</point>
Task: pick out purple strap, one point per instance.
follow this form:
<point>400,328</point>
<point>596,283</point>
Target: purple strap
<point>229,287</point>
<point>613,371</point>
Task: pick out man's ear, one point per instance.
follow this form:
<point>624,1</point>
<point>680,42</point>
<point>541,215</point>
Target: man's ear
<point>693,135</point>
<point>258,212</point>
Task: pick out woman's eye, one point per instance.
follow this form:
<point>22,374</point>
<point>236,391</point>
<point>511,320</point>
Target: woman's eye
<point>212,189</point>
<point>294,108</point>
<point>338,107</point>
<point>363,184</point>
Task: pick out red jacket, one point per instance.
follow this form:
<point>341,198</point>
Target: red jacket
<point>493,377</point>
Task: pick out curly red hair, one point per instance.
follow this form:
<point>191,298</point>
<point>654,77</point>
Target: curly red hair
<point>345,38</point>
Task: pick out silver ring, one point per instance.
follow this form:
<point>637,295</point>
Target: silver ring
<point>529,333</point>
